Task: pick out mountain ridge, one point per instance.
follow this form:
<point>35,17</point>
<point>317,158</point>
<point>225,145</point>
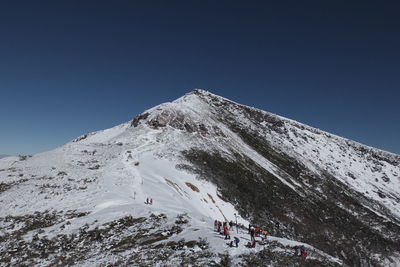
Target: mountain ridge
<point>202,91</point>
<point>208,157</point>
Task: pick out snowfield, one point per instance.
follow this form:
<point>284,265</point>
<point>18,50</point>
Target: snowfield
<point>108,175</point>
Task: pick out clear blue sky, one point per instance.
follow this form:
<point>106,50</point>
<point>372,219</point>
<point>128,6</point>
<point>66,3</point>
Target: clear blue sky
<point>72,67</point>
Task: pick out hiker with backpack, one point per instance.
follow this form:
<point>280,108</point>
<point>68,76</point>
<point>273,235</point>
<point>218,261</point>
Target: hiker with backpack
<point>219,226</point>
<point>235,240</point>
<point>265,234</point>
<point>303,252</point>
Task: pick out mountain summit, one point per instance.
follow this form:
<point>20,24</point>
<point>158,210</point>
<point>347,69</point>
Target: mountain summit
<point>202,158</point>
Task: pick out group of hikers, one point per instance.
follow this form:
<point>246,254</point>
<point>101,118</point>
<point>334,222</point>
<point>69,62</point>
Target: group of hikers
<point>149,201</point>
<point>224,228</point>
<point>254,231</point>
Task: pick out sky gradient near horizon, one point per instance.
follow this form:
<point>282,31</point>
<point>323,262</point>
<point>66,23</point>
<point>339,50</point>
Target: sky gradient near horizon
<point>72,67</point>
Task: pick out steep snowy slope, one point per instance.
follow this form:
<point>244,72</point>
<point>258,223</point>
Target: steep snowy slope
<point>200,158</point>
<point>97,179</point>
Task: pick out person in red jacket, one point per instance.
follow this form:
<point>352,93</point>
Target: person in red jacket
<point>303,252</point>
<point>226,231</point>
<point>251,244</point>
<point>258,231</point>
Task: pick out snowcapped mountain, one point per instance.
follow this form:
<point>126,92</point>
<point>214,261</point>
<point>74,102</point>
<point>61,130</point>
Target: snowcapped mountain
<point>200,158</point>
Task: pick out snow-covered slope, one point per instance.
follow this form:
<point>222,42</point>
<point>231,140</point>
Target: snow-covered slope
<point>199,158</point>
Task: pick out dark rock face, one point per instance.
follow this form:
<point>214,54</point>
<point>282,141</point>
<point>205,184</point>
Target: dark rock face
<point>138,118</point>
<point>177,120</point>
<point>317,209</point>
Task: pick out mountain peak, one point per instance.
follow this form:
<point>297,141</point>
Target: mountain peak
<point>204,94</point>
<point>199,91</point>
<point>200,158</point>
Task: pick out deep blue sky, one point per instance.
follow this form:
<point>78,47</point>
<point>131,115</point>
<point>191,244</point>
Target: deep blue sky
<point>72,67</point>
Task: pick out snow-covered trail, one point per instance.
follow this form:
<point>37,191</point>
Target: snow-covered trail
<point>205,230</point>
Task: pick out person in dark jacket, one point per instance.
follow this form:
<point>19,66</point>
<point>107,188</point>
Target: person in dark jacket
<point>252,234</point>
<point>236,240</point>
<point>296,251</point>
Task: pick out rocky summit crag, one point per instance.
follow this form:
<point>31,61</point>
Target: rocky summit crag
<point>199,158</point>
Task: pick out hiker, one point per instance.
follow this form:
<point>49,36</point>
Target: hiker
<point>251,245</point>
<point>257,231</point>
<point>151,201</point>
<point>215,225</point>
<point>249,228</point>
<point>236,240</point>
<point>296,251</point>
<point>219,227</point>
<point>230,225</point>
<point>226,231</point>
<point>252,233</point>
<point>303,252</point>
<point>147,201</point>
<point>265,233</point>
